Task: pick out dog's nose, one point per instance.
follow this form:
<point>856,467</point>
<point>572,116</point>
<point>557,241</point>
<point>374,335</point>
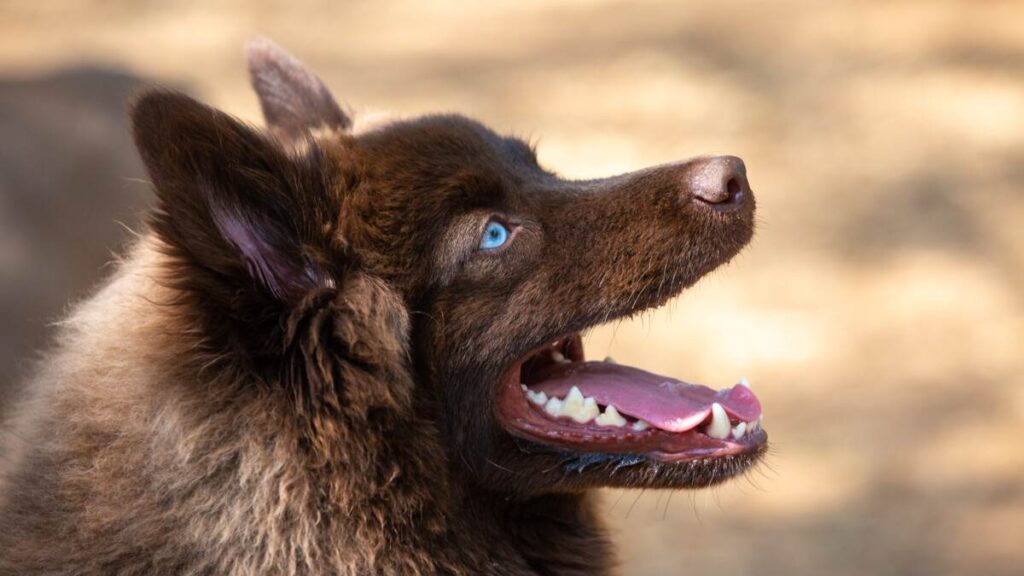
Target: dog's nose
<point>720,181</point>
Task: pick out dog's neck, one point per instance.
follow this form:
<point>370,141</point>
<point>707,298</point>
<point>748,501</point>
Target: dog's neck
<point>557,534</point>
<point>431,515</point>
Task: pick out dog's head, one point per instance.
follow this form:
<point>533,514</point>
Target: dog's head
<point>436,252</point>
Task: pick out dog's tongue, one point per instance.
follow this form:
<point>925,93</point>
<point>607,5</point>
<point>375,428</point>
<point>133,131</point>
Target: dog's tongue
<point>663,402</point>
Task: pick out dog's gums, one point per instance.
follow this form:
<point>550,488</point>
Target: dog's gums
<point>555,396</point>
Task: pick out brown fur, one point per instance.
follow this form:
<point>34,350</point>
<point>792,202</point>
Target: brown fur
<point>293,371</point>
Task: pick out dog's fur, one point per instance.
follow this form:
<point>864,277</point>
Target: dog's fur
<point>293,370</point>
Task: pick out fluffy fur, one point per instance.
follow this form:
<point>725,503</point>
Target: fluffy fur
<point>293,370</point>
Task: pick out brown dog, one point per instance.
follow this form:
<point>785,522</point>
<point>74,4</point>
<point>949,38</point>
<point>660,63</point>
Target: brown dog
<point>359,353</point>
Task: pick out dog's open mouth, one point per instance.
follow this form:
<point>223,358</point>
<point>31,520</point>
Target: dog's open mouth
<point>554,396</point>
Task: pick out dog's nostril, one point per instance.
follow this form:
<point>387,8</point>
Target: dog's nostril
<point>732,189</point>
<point>720,180</point>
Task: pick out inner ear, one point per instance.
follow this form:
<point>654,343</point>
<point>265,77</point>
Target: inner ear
<point>245,217</point>
<point>294,100</point>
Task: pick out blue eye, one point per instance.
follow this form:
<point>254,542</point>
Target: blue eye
<point>495,235</point>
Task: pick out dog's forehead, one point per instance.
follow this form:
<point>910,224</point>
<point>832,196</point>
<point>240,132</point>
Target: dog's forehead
<point>443,138</point>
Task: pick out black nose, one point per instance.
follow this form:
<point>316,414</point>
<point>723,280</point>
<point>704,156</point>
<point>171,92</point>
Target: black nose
<point>720,181</point>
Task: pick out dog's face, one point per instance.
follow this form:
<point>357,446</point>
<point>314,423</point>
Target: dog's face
<point>499,264</point>
<point>505,264</point>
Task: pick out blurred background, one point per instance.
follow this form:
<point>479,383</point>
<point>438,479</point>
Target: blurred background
<point>879,313</point>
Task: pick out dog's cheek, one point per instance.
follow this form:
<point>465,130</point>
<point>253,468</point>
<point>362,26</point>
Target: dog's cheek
<point>349,352</point>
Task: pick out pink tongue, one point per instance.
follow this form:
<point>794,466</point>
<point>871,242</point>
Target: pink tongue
<point>665,403</point>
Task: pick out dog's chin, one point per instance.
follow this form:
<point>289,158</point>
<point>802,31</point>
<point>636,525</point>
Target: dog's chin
<point>608,424</point>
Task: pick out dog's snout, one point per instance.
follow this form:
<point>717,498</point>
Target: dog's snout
<point>719,181</point>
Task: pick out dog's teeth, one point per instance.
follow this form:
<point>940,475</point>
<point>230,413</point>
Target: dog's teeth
<point>572,406</point>
<point>590,410</point>
<point>609,360</point>
<point>611,417</point>
<point>743,382</point>
<point>574,395</point>
<point>538,398</point>
<point>553,407</point>
<point>754,425</point>
<point>719,427</point>
<point>739,430</point>
<point>578,408</point>
<point>560,358</point>
<point>640,425</point>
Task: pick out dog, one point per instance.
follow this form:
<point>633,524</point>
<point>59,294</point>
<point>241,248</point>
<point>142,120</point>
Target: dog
<point>353,351</point>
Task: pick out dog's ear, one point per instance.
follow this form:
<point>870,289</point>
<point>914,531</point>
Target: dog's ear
<point>256,258</point>
<point>293,99</point>
<point>248,224</point>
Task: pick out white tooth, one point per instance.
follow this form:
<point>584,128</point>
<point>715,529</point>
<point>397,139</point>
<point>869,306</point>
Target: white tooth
<point>553,407</point>
<point>573,404</point>
<point>719,426</point>
<point>611,417</point>
<point>589,411</point>
<point>558,357</point>
<point>739,430</point>
<point>640,425</point>
<point>574,395</point>
<point>743,382</point>
<point>610,360</point>
<point>523,386</point>
<point>538,398</point>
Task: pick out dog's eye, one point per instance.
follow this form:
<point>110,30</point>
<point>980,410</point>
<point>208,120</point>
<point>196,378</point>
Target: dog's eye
<point>495,236</point>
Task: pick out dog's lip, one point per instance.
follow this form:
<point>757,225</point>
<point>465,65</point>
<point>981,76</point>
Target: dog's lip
<point>685,442</point>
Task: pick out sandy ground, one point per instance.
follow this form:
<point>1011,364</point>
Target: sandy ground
<point>879,312</point>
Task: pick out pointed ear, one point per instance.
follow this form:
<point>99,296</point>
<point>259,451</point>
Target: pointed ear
<point>293,99</point>
<point>249,224</point>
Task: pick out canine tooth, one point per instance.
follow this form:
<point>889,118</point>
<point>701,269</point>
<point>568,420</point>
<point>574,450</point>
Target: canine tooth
<point>523,386</point>
<point>610,360</point>
<point>640,425</point>
<point>719,427</point>
<point>538,398</point>
<point>743,382</point>
<point>611,417</point>
<point>739,430</point>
